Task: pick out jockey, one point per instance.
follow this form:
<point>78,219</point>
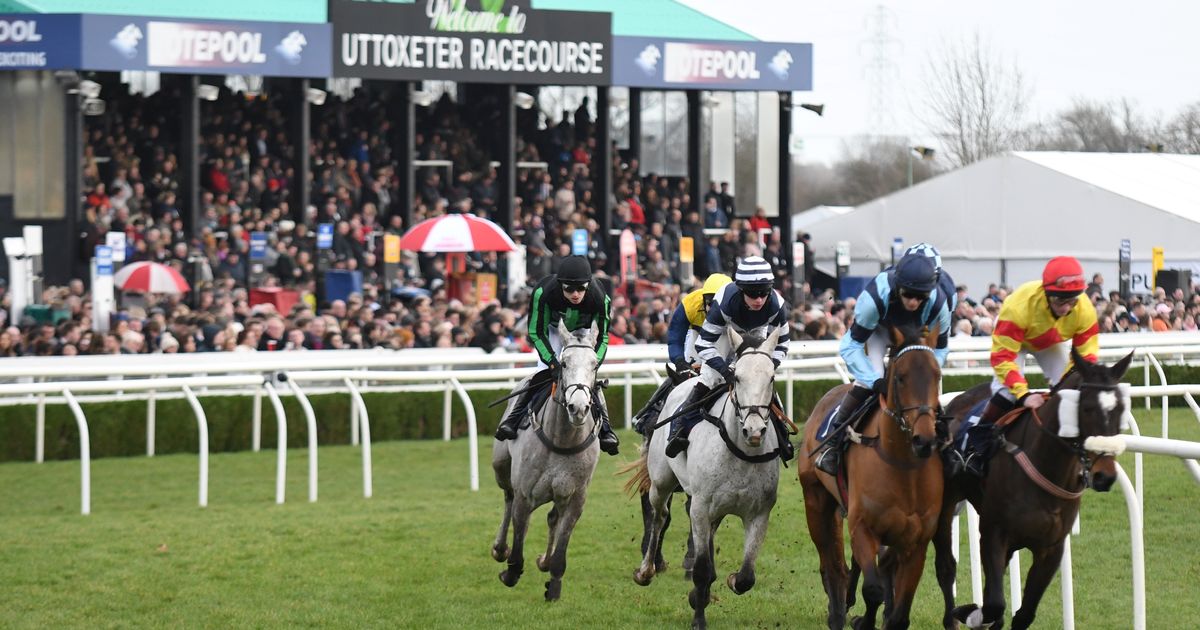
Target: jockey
<point>909,294</point>
<point>681,341</point>
<point>747,304</point>
<point>569,296</point>
<point>1039,318</point>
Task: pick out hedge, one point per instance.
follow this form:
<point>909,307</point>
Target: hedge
<point>119,428</point>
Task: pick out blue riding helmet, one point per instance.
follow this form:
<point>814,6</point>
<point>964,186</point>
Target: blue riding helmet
<point>916,272</point>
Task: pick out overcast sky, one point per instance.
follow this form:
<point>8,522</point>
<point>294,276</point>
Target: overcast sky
<point>1147,51</point>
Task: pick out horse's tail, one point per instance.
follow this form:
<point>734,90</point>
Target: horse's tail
<point>639,483</point>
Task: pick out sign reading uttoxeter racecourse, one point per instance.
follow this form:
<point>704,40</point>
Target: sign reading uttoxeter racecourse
<point>711,65</point>
<point>493,41</point>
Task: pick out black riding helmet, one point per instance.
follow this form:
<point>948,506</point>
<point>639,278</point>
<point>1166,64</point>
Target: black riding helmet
<point>917,273</point>
<point>574,270</point>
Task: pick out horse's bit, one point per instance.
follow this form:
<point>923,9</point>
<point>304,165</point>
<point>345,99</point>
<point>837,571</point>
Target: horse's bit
<point>899,414</point>
<point>587,389</point>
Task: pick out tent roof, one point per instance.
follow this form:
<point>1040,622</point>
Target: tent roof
<point>1027,205</point>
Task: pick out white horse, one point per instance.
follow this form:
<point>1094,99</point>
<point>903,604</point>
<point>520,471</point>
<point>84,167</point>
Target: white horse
<point>551,461</point>
<point>728,469</point>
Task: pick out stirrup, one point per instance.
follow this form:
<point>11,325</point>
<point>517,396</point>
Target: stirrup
<point>609,442</point>
<point>828,459</point>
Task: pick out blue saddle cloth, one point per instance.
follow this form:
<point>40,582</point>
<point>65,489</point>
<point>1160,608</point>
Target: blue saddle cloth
<point>967,439</point>
<point>827,423</point>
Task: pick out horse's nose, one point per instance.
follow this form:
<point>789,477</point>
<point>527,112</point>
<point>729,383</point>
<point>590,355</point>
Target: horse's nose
<point>922,446</point>
<point>573,408</point>
<point>1102,481</point>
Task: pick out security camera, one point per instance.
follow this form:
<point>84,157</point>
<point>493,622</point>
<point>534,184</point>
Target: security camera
<point>93,107</point>
<point>422,99</point>
<point>89,89</point>
<point>208,92</point>
<point>315,96</point>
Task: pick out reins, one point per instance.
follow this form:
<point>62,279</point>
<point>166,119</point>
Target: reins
<point>558,396</point>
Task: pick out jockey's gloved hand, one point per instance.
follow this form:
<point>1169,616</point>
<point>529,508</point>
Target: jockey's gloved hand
<point>776,362</point>
<point>728,374</point>
<point>879,386</point>
<point>682,366</point>
<point>554,366</point>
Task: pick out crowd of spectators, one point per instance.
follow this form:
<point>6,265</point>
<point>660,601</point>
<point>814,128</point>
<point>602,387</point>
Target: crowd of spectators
<point>132,181</point>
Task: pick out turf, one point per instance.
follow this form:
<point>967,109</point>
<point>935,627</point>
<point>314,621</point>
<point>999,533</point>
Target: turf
<point>416,555</point>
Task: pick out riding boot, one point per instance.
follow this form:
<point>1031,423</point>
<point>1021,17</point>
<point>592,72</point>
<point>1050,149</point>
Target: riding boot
<point>977,450</point>
<point>682,424</point>
<point>608,439</point>
<point>509,425</point>
<point>786,451</point>
<point>829,458</point>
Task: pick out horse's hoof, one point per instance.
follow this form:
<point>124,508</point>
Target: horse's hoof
<point>660,567</point>
<point>859,623</point>
<point>553,590</point>
<point>509,579</point>
<point>500,554</point>
<point>642,580</point>
<point>699,624</point>
<point>542,565</point>
<point>961,613</point>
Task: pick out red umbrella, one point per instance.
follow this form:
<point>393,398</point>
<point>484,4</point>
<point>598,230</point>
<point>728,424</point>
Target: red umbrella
<point>150,277</point>
<point>457,233</point>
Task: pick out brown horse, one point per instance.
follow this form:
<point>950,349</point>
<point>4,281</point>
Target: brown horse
<point>1015,510</point>
<point>894,488</point>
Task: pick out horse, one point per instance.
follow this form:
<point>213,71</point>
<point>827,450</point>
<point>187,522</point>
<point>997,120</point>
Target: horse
<point>893,488</point>
<point>730,467</point>
<point>551,461</point>
<point>1030,496</point>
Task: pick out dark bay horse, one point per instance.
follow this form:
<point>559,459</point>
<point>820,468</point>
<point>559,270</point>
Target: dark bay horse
<point>894,488</point>
<point>1030,496</point>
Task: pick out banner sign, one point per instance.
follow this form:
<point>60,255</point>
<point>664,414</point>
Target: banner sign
<point>711,65</point>
<point>104,260</point>
<point>579,242</point>
<point>258,246</point>
<point>324,235</point>
<point>504,41</point>
<point>39,42</point>
<point>112,42</point>
<point>391,249</point>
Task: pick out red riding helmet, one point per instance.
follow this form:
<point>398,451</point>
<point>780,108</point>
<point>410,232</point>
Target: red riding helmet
<point>1063,275</point>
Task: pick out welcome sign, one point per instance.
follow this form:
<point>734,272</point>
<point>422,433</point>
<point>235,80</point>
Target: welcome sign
<point>494,41</point>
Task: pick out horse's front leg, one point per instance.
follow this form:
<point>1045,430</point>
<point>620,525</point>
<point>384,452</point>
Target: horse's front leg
<point>993,543</point>
<point>568,517</point>
<point>520,525</point>
<point>502,467</point>
<point>689,557</point>
<point>551,522</point>
<point>756,532</point>
<point>1045,563</point>
<point>905,577</point>
<point>704,572</point>
<point>825,530</point>
<point>946,563</point>
<point>865,547</point>
<point>657,502</point>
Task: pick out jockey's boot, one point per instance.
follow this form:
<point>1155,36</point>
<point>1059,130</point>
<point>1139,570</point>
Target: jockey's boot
<point>608,439</point>
<point>787,452</point>
<point>829,458</point>
<point>974,456</point>
<point>682,424</point>
<point>508,426</point>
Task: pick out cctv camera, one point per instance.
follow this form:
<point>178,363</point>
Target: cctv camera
<point>93,107</point>
<point>89,89</point>
<point>523,100</point>
<point>208,92</point>
<point>315,96</point>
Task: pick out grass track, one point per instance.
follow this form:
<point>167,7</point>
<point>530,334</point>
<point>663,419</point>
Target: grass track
<point>416,555</point>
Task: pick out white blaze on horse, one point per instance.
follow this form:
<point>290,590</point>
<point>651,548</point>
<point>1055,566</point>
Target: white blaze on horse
<point>552,461</point>
<point>730,468</point>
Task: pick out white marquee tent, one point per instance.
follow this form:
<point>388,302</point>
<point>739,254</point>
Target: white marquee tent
<point>1002,218</point>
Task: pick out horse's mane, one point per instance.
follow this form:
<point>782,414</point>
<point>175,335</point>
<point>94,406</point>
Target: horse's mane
<point>750,340</point>
<point>913,335</point>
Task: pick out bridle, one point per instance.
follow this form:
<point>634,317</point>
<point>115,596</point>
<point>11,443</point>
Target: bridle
<point>561,396</point>
<point>762,411</point>
<point>1073,445</point>
<point>899,415</point>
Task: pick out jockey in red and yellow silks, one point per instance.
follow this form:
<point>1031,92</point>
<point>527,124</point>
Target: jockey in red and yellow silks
<point>1044,319</point>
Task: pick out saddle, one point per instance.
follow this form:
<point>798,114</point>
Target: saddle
<point>538,397</point>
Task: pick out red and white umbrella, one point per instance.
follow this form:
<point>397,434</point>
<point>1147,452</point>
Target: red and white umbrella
<point>457,233</point>
<point>150,277</point>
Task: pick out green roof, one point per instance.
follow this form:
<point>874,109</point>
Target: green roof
<point>646,18</point>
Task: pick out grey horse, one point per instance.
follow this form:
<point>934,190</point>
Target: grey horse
<point>551,461</point>
<point>719,481</point>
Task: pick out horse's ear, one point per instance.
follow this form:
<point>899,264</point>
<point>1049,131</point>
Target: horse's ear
<point>563,333</point>
<point>931,335</point>
<point>735,338</point>
<point>897,336</point>
<point>1118,370</point>
<point>1078,361</point>
<point>594,331</point>
<point>772,339</point>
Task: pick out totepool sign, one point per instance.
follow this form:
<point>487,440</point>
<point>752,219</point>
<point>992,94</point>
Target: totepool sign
<point>39,42</point>
<point>708,65</point>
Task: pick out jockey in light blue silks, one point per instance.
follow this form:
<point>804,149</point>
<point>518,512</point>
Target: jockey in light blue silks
<point>750,303</point>
<point>913,293</point>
